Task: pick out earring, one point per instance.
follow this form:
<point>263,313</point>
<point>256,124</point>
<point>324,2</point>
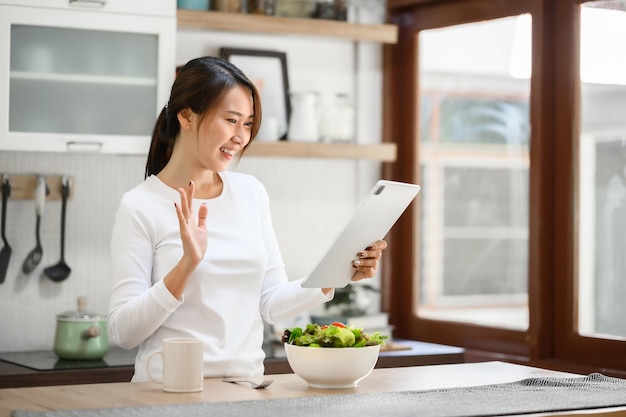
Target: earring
<point>188,126</point>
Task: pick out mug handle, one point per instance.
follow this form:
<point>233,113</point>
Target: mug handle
<point>152,378</point>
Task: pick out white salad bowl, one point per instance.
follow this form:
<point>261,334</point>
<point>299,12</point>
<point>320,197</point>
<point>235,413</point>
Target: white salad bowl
<point>332,368</point>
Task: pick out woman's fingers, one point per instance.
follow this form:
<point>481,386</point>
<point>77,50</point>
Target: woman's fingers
<point>372,252</point>
<point>366,261</point>
<point>186,199</point>
<point>191,191</point>
<point>203,212</point>
<point>184,205</point>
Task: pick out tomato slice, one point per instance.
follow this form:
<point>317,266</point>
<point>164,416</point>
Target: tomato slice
<point>338,324</point>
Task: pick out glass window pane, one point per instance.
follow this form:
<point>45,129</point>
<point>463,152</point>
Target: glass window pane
<point>602,176</point>
<point>474,159</point>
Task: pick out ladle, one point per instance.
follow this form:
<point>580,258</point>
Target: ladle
<point>34,257</point>
<point>61,270</point>
<point>5,254</point>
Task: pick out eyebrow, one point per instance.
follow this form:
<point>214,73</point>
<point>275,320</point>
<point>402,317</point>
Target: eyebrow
<point>236,113</point>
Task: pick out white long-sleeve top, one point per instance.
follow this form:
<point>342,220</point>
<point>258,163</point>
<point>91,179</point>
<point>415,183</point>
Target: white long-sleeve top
<point>240,281</point>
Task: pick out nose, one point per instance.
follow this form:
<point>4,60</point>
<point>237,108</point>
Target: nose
<point>242,136</point>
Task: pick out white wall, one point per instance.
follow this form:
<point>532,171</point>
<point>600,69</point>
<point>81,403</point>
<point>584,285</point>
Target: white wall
<point>311,199</point>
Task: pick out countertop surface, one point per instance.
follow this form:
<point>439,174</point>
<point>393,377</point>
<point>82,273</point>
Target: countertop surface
<point>284,386</point>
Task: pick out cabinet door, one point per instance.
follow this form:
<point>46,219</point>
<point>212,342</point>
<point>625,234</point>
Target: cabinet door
<point>82,80</point>
<point>144,7</point>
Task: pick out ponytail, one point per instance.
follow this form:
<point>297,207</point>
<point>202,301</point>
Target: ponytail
<point>162,144</point>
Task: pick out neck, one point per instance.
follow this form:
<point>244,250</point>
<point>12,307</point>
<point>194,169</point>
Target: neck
<point>208,183</point>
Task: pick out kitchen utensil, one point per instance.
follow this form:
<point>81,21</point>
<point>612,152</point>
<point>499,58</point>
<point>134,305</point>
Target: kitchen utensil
<point>266,383</point>
<point>304,119</point>
<point>5,254</point>
<point>81,335</point>
<point>34,257</point>
<point>61,270</point>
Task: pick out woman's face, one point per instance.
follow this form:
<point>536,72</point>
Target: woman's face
<point>225,130</point>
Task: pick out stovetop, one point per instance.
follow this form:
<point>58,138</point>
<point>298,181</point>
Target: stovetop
<point>47,360</point>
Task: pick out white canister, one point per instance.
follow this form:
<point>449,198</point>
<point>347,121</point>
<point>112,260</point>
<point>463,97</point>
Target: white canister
<point>304,118</point>
<point>337,124</point>
<point>268,132</point>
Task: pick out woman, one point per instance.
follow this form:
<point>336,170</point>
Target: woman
<point>193,249</point>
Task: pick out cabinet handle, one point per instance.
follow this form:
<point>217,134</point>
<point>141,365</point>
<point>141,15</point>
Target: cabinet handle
<point>88,3</point>
<point>84,146</point>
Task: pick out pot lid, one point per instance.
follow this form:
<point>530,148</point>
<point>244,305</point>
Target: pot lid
<point>78,315</point>
<point>81,314</point>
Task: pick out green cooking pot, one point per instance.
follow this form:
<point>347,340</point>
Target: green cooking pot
<point>81,336</point>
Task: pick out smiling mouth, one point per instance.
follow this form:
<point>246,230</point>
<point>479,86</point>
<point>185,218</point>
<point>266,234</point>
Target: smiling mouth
<point>230,152</point>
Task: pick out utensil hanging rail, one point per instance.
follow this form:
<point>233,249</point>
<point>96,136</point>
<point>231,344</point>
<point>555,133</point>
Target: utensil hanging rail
<point>23,186</point>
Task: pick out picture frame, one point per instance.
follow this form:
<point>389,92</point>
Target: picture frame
<point>268,71</point>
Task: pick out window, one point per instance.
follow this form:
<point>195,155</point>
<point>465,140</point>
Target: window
<point>473,157</point>
<point>513,249</point>
<point>602,184</point>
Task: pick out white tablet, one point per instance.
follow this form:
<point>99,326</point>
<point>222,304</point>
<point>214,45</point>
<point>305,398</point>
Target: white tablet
<point>382,207</point>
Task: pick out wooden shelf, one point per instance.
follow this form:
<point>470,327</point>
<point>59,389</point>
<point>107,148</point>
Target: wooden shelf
<point>252,23</point>
<point>384,152</point>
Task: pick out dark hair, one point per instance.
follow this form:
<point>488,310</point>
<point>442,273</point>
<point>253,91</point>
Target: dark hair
<point>200,84</point>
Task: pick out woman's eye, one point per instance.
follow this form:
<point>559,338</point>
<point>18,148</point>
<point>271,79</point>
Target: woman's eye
<point>233,121</point>
<point>249,124</point>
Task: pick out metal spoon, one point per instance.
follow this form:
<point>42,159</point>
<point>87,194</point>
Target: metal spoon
<point>34,257</point>
<point>5,254</point>
<point>61,270</point>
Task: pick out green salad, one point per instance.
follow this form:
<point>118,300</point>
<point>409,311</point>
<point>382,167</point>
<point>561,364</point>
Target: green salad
<point>333,335</point>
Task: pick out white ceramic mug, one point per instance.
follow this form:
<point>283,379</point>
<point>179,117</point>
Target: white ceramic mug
<point>182,365</point>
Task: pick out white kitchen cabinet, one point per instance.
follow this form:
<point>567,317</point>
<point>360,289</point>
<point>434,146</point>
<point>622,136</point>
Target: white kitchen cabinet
<point>87,75</point>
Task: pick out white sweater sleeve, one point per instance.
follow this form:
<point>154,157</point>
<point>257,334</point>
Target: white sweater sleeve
<point>137,308</point>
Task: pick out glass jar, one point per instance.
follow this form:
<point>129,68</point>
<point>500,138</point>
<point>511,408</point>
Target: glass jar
<point>266,7</point>
<point>228,6</point>
<point>193,4</point>
<point>295,8</point>
<point>324,9</point>
<point>341,10</point>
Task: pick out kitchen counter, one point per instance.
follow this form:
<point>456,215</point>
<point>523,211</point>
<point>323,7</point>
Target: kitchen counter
<point>380,381</point>
<point>41,368</point>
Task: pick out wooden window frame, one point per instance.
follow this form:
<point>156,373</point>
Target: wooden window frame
<point>551,340</point>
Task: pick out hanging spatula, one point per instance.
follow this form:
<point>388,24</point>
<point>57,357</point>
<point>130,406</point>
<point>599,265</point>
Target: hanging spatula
<point>5,254</point>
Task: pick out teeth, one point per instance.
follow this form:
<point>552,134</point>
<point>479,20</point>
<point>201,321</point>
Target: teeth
<point>231,152</point>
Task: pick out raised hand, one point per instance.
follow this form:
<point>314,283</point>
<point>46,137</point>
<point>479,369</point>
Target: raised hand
<point>193,232</point>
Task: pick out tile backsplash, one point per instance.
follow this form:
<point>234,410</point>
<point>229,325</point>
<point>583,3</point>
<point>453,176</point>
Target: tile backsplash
<point>311,201</point>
